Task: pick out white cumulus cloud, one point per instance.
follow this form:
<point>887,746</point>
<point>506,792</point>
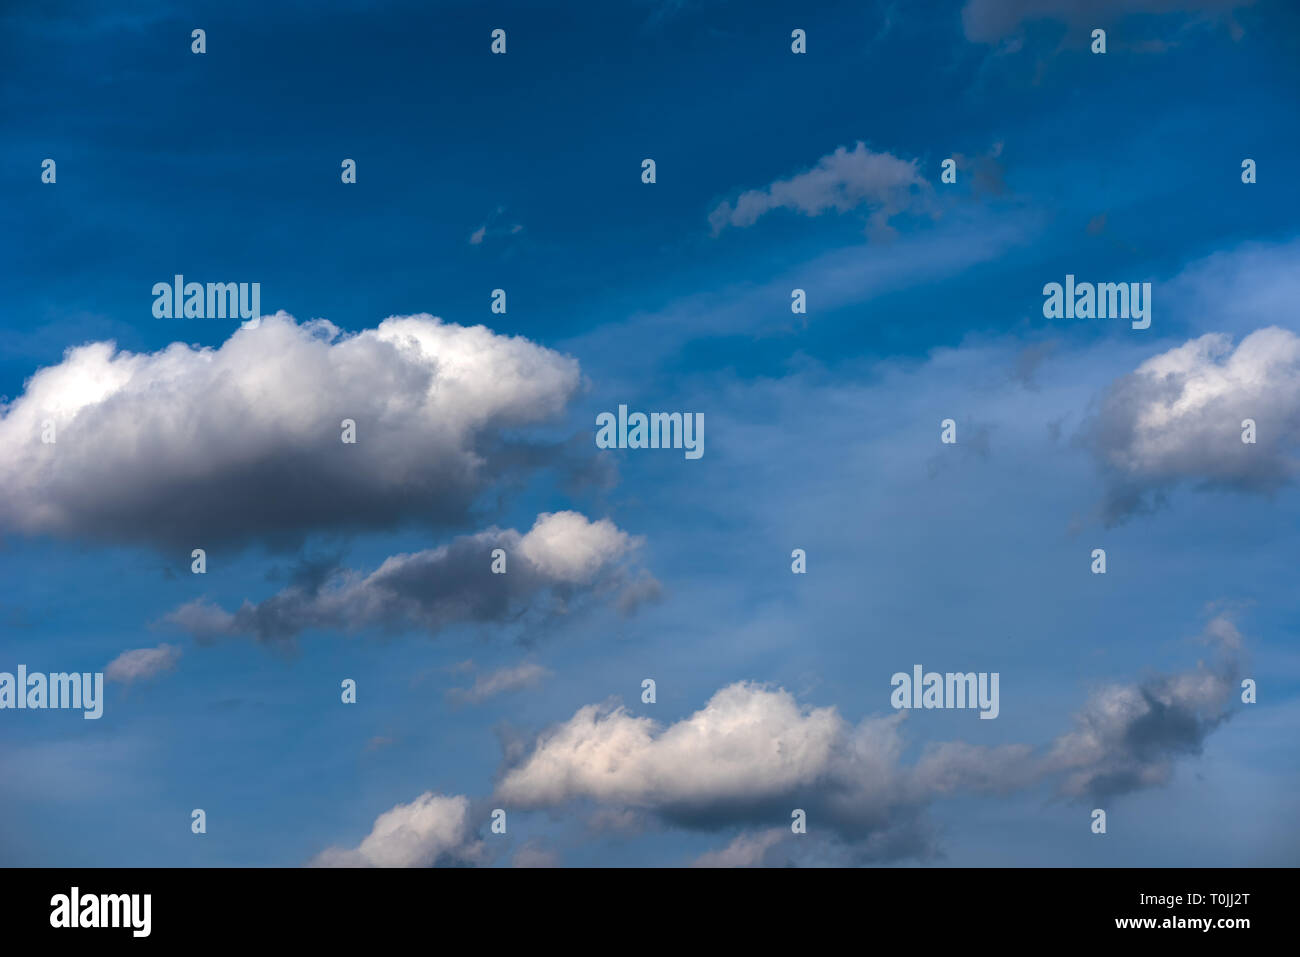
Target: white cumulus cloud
<point>1178,418</point>
<point>432,829</point>
<point>243,441</point>
<point>753,753</point>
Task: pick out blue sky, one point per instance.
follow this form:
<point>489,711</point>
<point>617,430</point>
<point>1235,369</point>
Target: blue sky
<point>523,172</point>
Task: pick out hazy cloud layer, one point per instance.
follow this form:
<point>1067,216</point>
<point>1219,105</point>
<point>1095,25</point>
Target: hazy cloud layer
<point>533,854</point>
<point>501,681</point>
<point>563,559</point>
<point>747,849</point>
<point>191,446</point>
<point>987,21</point>
<point>1178,418</point>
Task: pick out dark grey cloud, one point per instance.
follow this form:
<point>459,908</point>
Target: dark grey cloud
<point>562,560</point>
<point>1027,362</point>
<point>986,171</point>
<point>1128,737</point>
